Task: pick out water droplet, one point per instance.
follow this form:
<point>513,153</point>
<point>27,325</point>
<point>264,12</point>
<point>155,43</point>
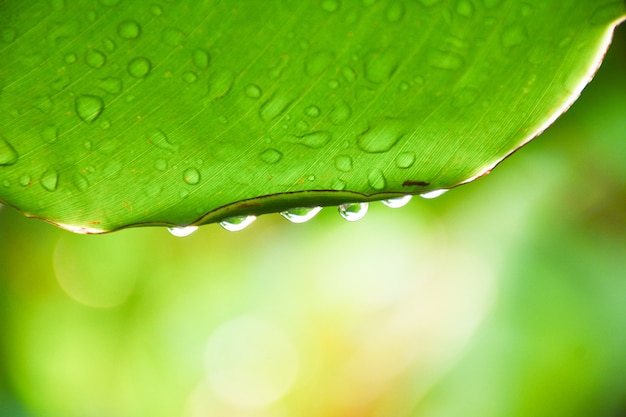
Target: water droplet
<point>8,35</point>
<point>378,139</point>
<point>88,107</point>
<point>333,84</point>
<point>109,44</point>
<point>317,63</point>
<point>405,160</point>
<point>129,29</point>
<point>182,231</point>
<point>50,134</point>
<point>235,224</point>
<point>274,107</point>
<point>271,156</point>
<point>395,12</point>
<point>8,154</point>
<point>160,139</point>
<point>300,214</point>
<point>156,10</point>
<point>433,194</point>
<point>80,181</point>
<point>105,124</point>
<point>513,36</point>
<point>220,83</point>
<point>353,211</point>
<point>527,10</point>
<point>312,111</point>
<point>376,179</point>
<point>253,91</point>
<point>330,5</point>
<point>445,60</point>
<point>380,67</point>
<point>464,97</point>
<point>465,8</point>
<point>173,37</point>
<point>223,120</point>
<point>191,176</point>
<point>397,202</point>
<point>49,180</point>
<point>111,85</point>
<point>340,113</point>
<point>315,140</point>
<point>190,77</point>
<point>201,58</point>
<point>160,164</point>
<point>139,67</point>
<point>343,163</point>
<point>311,177</point>
<point>69,58</point>
<point>24,180</point>
<point>61,82</point>
<point>339,185</point>
<point>95,59</point>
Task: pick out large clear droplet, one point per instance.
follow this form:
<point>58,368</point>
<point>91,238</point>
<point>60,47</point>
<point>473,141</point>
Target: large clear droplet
<point>182,231</point>
<point>300,214</point>
<point>397,202</point>
<point>353,211</point>
<point>433,194</point>
<point>235,224</point>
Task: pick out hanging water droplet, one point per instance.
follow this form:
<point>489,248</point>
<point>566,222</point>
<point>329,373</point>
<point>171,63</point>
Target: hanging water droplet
<point>433,194</point>
<point>271,156</point>
<point>253,91</point>
<point>300,214</point>
<point>182,231</point>
<point>88,107</point>
<point>139,67</point>
<point>191,176</point>
<point>49,180</point>
<point>353,211</point>
<point>95,59</point>
<point>397,202</point>
<point>235,224</point>
<point>8,154</point>
<point>129,29</point>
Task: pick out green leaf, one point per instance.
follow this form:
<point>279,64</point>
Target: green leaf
<point>119,113</point>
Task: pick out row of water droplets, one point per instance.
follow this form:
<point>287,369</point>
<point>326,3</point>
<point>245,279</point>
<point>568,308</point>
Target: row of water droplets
<point>349,211</point>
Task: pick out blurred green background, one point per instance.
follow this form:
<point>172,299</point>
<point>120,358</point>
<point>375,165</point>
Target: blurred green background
<point>504,297</point>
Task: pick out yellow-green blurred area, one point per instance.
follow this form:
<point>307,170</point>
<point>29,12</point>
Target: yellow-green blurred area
<point>504,297</point>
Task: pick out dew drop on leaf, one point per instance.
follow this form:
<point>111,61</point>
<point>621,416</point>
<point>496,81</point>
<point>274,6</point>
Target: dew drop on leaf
<point>315,140</point>
<point>339,185</point>
<point>376,179</point>
<point>465,8</point>
<point>112,85</point>
<point>190,77</point>
<point>343,163</point>
<point>378,139</point>
<point>397,202</point>
<point>445,60</point>
<point>160,164</point>
<point>191,176</point>
<point>235,224</point>
<point>271,156</point>
<point>395,12</point>
<point>253,91</point>
<point>173,36</point>
<point>89,107</point>
<point>129,29</point>
<point>95,59</point>
<point>201,58</point>
<point>274,107</point>
<point>300,214</point>
<point>49,134</point>
<point>8,154</point>
<point>513,36</point>
<point>405,160</point>
<point>312,111</point>
<point>156,10</point>
<point>340,113</point>
<point>353,211</point>
<point>221,83</point>
<point>182,231</point>
<point>159,139</point>
<point>24,180</point>
<point>139,67</point>
<point>49,180</point>
<point>69,58</point>
<point>433,194</point>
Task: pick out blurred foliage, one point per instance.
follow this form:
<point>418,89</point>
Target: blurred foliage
<point>504,297</point>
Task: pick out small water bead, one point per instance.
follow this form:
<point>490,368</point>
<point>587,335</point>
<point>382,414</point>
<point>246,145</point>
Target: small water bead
<point>190,77</point>
<point>465,8</point>
<point>271,156</point>
<point>349,74</point>
<point>191,176</point>
<point>24,180</point>
<point>445,60</point>
<point>88,107</point>
<point>69,58</point>
<point>49,180</point>
<point>182,231</point>
<point>109,44</point>
<point>8,154</point>
<point>50,134</point>
<point>395,12</point>
<point>380,67</point>
<point>220,83</point>
<point>95,59</point>
<point>330,5</point>
<point>156,10</point>
<point>253,91</point>
<point>405,160</point>
<point>312,111</point>
<point>340,113</point>
<point>379,139</point>
<point>139,67</point>
<point>160,164</point>
<point>60,82</point>
<point>315,140</point>
<point>129,29</point>
<point>397,202</point>
<point>353,211</point>
<point>433,194</point>
<point>376,179</point>
<point>111,85</point>
<point>173,37</point>
<point>339,185</point>
<point>300,214</point>
<point>201,58</point>
<point>513,36</point>
<point>274,107</point>
<point>80,181</point>
<point>160,139</point>
<point>235,224</point>
<point>343,163</point>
